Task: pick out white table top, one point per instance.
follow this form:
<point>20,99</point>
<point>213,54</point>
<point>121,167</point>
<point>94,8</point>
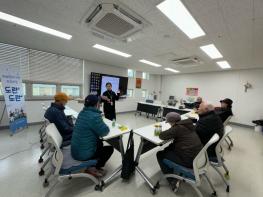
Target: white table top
<point>147,132</point>
<point>70,112</point>
<point>114,131</point>
<point>153,104</point>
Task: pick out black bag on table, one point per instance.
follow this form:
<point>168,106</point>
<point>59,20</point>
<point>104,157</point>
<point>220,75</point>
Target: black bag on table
<point>128,164</point>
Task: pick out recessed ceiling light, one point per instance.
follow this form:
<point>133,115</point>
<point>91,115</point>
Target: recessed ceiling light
<point>150,63</point>
<point>107,49</point>
<point>25,23</point>
<point>224,64</point>
<point>211,51</point>
<point>181,17</point>
<point>172,70</point>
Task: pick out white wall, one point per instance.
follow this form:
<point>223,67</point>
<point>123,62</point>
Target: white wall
<point>217,85</point>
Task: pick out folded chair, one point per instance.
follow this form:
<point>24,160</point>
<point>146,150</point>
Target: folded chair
<point>219,160</point>
<point>228,140</point>
<point>193,176</point>
<point>63,166</point>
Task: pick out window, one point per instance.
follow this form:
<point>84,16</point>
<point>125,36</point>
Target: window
<point>73,91</point>
<point>24,88</point>
<point>43,90</point>
<point>130,93</point>
<point>131,73</point>
<point>145,75</point>
<point>144,93</point>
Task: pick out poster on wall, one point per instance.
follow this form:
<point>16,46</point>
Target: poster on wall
<point>14,97</point>
<point>138,83</point>
<point>192,91</point>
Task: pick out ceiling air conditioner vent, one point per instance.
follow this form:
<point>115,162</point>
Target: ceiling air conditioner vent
<point>114,20</point>
<point>187,61</point>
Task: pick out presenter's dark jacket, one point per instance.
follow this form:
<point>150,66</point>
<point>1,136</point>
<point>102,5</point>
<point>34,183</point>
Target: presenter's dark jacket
<point>109,107</point>
<point>186,143</point>
<point>55,114</point>
<point>208,124</point>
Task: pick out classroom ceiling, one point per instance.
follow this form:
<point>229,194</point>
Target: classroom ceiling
<point>234,26</point>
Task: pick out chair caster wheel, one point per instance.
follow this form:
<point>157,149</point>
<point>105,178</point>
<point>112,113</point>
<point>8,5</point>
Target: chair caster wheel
<point>98,188</point>
<point>153,191</point>
<point>157,186</point>
<point>46,183</point>
<point>214,194</point>
<point>228,189</point>
<point>40,160</point>
<point>42,146</point>
<point>41,172</point>
<point>227,176</point>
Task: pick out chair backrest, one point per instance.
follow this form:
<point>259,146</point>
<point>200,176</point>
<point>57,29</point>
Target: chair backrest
<point>55,139</point>
<point>227,120</point>
<point>201,161</point>
<point>219,149</point>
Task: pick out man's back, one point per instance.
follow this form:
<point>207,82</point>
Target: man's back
<point>208,124</point>
<point>55,114</point>
<point>89,127</point>
<point>186,144</point>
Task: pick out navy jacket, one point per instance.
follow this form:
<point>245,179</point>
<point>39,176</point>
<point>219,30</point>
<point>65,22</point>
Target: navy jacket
<point>55,114</point>
<point>207,125</point>
<point>88,130</point>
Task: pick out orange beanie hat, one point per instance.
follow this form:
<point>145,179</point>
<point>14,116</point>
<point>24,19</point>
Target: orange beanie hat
<point>61,96</point>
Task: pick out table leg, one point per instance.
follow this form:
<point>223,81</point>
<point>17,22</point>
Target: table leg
<point>139,170</point>
<point>102,183</point>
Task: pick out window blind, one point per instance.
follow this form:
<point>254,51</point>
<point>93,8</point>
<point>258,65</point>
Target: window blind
<point>42,66</point>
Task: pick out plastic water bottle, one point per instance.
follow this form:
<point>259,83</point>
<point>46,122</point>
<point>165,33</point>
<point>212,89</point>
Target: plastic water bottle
<point>113,122</point>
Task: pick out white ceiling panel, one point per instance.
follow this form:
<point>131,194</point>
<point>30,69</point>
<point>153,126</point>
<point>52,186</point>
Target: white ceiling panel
<point>228,24</point>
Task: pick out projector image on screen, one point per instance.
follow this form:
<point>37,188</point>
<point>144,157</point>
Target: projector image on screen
<point>115,81</point>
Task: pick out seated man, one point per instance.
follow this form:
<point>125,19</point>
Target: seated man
<point>208,124</point>
<point>89,128</point>
<point>184,148</point>
<point>55,114</point>
<point>225,110</point>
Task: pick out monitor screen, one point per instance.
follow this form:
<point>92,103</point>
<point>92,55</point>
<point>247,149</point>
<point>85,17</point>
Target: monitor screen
<point>115,81</point>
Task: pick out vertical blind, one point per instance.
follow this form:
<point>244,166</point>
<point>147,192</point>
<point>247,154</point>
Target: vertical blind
<point>42,66</point>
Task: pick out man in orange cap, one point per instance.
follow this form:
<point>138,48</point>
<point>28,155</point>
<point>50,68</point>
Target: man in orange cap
<point>55,114</point>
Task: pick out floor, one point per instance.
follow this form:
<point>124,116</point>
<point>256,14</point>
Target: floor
<point>19,168</point>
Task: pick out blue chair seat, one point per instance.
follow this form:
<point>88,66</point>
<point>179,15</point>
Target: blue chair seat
<point>180,170</point>
<point>70,165</point>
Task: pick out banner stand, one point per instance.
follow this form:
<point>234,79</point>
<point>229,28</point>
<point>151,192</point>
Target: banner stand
<point>2,115</point>
<point>14,98</point>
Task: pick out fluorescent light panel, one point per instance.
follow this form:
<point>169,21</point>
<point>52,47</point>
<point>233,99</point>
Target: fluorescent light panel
<point>25,23</point>
<point>181,17</point>
<point>211,51</point>
<point>172,70</point>
<point>224,64</point>
<point>109,50</point>
<point>150,63</point>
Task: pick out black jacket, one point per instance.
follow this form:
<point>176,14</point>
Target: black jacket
<point>224,113</point>
<point>109,108</point>
<point>207,125</point>
<point>186,143</point>
<point>55,114</point>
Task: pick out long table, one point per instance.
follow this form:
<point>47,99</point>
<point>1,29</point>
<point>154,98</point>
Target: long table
<point>159,110</point>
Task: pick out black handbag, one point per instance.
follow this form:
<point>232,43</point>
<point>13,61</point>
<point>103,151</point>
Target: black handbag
<point>128,163</point>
